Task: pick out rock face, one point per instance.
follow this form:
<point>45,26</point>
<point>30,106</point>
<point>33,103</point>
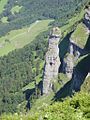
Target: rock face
<point>82,69</point>
<point>88,75</point>
<point>87,15</point>
<point>52,62</point>
<point>73,54</point>
<point>87,18</point>
<point>75,49</point>
<point>69,64</point>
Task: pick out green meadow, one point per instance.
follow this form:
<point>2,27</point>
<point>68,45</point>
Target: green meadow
<point>80,35</point>
<point>19,38</point>
<point>2,4</point>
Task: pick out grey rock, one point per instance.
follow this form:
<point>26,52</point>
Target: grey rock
<point>87,19</point>
<point>52,62</point>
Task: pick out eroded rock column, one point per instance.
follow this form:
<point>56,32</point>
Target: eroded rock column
<point>52,62</point>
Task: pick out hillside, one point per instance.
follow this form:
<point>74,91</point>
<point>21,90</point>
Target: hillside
<point>45,69</point>
<point>26,12</point>
<point>76,108</point>
<point>17,16</point>
<point>16,39</point>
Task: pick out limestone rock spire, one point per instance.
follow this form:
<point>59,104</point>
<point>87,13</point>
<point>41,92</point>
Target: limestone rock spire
<point>52,62</point>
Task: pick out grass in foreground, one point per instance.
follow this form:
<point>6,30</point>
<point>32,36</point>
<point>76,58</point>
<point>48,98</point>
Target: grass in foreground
<point>75,108</point>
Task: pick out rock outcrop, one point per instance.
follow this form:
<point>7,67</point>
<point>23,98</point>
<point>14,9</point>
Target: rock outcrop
<point>82,69</point>
<point>52,62</point>
<point>87,18</point>
<point>70,58</point>
<point>77,45</point>
<point>69,64</point>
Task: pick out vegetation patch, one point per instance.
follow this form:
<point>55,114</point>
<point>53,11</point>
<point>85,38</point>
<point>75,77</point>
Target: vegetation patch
<point>80,35</point>
<point>20,70</point>
<point>16,9</point>
<point>34,10</point>
<point>32,84</point>
<point>75,108</point>
<point>20,38</point>
<point>4,20</point>
<point>2,4</point>
<point>72,22</point>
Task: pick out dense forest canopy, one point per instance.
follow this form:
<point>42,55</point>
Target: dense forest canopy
<point>32,10</point>
<point>18,69</point>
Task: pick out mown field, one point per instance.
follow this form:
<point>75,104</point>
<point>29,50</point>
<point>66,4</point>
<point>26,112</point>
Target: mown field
<point>19,38</point>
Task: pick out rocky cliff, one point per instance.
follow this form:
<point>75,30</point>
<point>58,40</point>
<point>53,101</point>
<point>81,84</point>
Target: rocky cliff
<point>74,64</point>
<point>52,63</point>
<point>77,43</point>
<point>78,59</point>
<point>82,67</point>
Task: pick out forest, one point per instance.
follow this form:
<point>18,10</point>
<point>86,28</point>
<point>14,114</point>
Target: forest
<point>18,69</point>
<point>33,10</point>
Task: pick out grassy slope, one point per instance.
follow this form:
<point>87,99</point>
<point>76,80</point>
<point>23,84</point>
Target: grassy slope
<point>2,4</point>
<point>20,38</point>
<point>75,108</point>
<point>44,100</point>
<point>77,17</point>
<point>32,84</point>
<point>80,35</point>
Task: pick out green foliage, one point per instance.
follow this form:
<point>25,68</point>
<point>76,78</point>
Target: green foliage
<point>16,9</point>
<point>63,78</point>
<point>18,69</point>
<point>75,108</point>
<point>34,10</point>
<point>2,5</point>
<point>20,38</point>
<point>4,19</point>
<point>80,35</point>
<point>21,70</point>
